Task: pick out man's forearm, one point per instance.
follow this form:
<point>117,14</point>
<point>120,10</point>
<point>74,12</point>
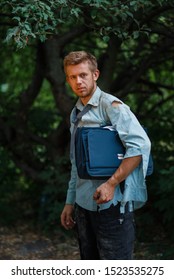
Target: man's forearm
<point>125,168</point>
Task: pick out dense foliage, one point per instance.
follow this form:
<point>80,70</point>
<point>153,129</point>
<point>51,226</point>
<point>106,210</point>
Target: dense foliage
<point>39,19</point>
<point>134,44</point>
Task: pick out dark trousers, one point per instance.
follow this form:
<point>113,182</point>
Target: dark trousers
<point>105,234</point>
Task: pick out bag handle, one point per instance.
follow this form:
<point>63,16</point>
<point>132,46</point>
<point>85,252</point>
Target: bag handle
<point>76,122</point>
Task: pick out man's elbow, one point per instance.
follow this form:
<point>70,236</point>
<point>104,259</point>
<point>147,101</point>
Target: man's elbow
<point>148,144</point>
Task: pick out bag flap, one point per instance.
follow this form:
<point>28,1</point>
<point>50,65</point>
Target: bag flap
<point>105,148</point>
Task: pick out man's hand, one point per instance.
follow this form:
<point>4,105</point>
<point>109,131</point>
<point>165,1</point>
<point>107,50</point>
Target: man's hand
<point>67,217</point>
<point>104,193</point>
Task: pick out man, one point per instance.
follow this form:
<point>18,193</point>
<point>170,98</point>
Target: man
<point>103,209</point>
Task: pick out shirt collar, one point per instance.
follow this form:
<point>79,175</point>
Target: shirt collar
<point>94,100</point>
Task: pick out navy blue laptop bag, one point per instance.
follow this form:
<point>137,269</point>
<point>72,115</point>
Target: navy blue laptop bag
<point>99,152</point>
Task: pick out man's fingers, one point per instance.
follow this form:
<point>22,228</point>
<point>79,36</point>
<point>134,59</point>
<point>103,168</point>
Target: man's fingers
<point>100,198</point>
<point>67,217</point>
<point>96,195</point>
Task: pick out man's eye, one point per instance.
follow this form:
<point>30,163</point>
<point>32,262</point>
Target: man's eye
<point>83,75</point>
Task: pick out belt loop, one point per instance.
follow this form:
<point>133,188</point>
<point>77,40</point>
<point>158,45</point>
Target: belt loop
<point>122,208</point>
<point>130,206</point>
<point>126,207</point>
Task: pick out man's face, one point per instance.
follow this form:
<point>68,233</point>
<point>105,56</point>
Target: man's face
<point>82,80</point>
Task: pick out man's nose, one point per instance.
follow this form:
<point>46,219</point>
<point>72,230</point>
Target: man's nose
<point>78,80</point>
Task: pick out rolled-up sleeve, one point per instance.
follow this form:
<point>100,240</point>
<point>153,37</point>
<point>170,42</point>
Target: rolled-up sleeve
<point>131,133</point>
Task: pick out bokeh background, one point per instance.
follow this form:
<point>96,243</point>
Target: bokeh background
<point>134,44</point>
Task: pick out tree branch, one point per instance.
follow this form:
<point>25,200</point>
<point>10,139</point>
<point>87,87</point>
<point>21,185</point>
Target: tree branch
<point>28,97</point>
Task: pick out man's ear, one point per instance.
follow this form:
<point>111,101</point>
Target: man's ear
<point>96,74</point>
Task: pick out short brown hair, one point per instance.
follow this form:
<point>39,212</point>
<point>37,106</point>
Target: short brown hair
<point>74,58</point>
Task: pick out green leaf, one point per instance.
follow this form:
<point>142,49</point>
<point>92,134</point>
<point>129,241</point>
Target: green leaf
<point>136,34</point>
<point>11,33</point>
<point>106,39</point>
<point>17,18</point>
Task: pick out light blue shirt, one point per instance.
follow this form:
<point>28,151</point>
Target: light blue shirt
<point>136,142</point>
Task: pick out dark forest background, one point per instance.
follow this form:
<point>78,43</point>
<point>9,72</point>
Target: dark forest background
<point>134,44</point>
